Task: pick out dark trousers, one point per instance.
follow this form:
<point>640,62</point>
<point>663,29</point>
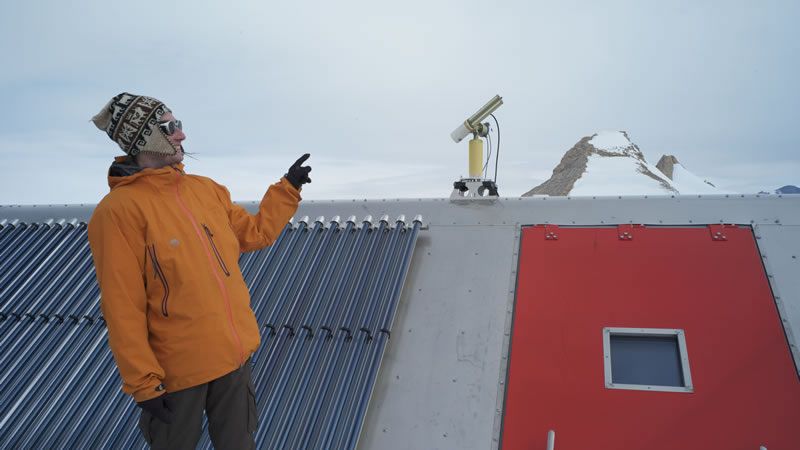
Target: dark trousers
<point>229,403</point>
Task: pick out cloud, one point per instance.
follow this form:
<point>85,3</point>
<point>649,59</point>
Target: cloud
<point>383,86</point>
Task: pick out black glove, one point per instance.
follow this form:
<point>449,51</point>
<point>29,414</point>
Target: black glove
<point>159,407</point>
<point>297,174</point>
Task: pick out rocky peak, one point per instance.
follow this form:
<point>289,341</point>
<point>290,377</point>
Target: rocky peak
<point>589,157</point>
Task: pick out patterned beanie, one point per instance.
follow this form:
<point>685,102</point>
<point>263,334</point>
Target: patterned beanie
<point>132,122</point>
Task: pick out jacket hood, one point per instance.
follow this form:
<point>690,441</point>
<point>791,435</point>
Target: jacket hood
<point>124,171</point>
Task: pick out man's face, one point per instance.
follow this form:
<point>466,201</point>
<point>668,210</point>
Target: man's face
<point>175,139</point>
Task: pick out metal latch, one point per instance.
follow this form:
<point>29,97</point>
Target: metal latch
<point>625,232</point>
<point>718,232</point>
<point>551,232</point>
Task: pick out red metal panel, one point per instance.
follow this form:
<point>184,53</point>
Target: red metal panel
<point>746,389</point>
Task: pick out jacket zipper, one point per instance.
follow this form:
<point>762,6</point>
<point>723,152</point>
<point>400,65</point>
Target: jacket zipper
<point>216,252</point>
<point>220,282</point>
<point>158,273</point>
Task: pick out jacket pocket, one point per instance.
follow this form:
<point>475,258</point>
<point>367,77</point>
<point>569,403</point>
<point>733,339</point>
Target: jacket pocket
<point>222,265</point>
<point>159,274</point>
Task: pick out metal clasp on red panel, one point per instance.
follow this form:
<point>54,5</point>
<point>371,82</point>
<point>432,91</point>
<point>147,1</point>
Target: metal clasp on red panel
<point>551,232</point>
<point>718,232</point>
<point>625,232</point>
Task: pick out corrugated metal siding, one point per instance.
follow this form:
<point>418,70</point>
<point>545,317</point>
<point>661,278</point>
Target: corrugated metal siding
<point>325,296</point>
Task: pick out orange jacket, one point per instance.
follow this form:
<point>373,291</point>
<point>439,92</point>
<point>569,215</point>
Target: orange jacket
<point>166,247</point>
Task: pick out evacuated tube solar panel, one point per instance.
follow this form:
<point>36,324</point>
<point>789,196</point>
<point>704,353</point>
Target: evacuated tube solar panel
<point>320,293</point>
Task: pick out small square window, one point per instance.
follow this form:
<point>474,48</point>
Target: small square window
<point>651,359</point>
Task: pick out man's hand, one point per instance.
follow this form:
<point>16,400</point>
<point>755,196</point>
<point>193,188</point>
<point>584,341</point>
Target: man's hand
<point>159,407</point>
<point>298,174</point>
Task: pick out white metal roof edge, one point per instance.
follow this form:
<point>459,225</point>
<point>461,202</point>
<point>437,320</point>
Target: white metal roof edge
<point>654,210</point>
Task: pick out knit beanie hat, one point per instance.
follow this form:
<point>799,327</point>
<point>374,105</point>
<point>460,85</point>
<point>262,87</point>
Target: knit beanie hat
<point>132,122</point>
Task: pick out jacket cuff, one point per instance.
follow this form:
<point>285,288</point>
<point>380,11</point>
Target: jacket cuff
<point>152,390</point>
<point>290,187</point>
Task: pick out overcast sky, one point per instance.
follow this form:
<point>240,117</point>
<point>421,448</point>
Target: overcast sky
<point>373,89</point>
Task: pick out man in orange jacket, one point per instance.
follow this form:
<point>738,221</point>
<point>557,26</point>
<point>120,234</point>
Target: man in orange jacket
<point>166,246</point>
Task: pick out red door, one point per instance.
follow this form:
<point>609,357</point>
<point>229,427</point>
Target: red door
<point>574,282</point>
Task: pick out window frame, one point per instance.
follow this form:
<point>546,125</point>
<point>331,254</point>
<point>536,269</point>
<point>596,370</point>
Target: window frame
<point>647,332</point>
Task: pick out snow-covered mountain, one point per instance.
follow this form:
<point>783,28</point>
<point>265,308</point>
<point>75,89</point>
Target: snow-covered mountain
<point>788,189</point>
<point>685,181</point>
<point>608,163</point>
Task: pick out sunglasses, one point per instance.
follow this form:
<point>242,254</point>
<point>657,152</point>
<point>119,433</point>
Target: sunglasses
<point>169,128</point>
